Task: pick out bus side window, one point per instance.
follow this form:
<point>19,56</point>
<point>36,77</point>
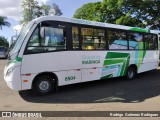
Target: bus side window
<point>47,38</point>
<point>75,37</point>
<point>34,44</point>
<point>136,41</point>
<point>55,38</point>
<point>93,39</point>
<point>117,40</point>
<point>150,42</point>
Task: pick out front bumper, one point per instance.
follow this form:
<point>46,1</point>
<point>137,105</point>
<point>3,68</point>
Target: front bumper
<point>13,80</point>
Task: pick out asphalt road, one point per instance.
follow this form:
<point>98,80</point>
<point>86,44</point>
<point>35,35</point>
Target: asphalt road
<point>117,94</point>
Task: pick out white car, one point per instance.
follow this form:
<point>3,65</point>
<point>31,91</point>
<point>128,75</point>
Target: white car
<point>3,52</point>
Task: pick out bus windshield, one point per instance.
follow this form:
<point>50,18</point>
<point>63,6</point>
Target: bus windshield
<point>20,38</point>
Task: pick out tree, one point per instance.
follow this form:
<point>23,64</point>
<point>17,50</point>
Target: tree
<point>142,13</point>
<point>54,10</point>
<point>32,9</point>
<point>3,22</point>
<point>89,11</point>
<point>45,9</point>
<point>129,21</point>
<point>111,11</point>
<point>106,11</point>
<point>4,42</point>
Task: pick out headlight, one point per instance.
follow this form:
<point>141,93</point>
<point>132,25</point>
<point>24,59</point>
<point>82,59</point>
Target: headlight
<point>9,71</point>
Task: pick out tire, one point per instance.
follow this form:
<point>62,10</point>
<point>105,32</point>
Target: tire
<point>131,73</point>
<point>43,85</point>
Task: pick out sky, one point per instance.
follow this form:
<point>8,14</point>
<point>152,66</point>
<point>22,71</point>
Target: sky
<point>12,10</point>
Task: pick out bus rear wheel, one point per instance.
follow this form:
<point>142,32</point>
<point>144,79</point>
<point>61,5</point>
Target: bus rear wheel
<point>131,73</point>
<point>43,85</point>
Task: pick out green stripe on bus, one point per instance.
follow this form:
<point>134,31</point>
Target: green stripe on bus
<point>140,58</point>
<point>113,61</point>
<point>116,55</point>
<point>125,66</point>
<point>18,59</point>
<point>140,30</point>
<point>117,58</point>
<point>107,76</point>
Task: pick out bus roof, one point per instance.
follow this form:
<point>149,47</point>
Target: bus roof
<point>93,23</point>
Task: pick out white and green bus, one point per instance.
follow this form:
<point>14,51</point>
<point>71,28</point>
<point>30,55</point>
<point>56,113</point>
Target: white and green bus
<point>55,51</point>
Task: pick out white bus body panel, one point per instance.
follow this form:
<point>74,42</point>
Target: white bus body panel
<point>70,64</point>
<point>150,61</point>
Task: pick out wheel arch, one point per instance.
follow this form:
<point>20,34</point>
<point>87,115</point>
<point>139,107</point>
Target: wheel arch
<point>51,74</point>
<point>134,66</point>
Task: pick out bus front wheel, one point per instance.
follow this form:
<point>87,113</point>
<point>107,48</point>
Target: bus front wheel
<point>131,73</point>
<point>43,85</point>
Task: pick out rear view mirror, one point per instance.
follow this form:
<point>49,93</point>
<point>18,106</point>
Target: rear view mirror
<point>42,33</point>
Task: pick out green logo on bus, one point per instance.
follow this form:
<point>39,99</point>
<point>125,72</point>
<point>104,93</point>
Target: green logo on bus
<point>91,62</point>
<point>89,59</point>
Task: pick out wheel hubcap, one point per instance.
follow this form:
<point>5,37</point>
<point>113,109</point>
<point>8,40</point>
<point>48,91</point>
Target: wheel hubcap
<point>44,86</point>
<point>130,74</point>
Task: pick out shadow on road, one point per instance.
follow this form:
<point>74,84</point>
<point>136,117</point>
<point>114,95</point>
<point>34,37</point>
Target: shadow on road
<point>145,86</point>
